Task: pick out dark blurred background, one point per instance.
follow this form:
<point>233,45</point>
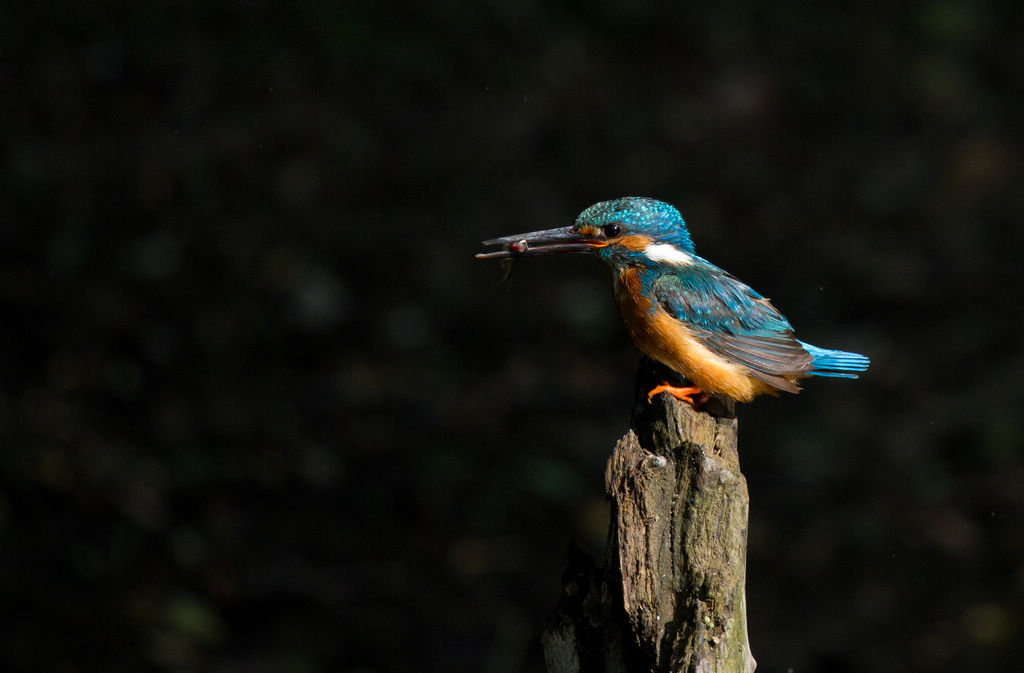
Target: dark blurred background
<point>261,409</point>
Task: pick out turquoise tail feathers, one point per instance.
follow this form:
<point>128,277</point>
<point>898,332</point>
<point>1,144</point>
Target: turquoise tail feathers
<point>840,364</point>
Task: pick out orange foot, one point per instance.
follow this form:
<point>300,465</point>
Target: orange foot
<point>685,394</point>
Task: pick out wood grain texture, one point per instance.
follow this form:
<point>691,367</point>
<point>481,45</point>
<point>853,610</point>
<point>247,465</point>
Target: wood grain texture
<point>669,595</point>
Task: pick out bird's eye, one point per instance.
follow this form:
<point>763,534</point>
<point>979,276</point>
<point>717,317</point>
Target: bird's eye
<point>611,230</point>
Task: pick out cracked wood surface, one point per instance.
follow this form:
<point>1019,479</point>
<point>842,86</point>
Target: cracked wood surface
<point>669,595</point>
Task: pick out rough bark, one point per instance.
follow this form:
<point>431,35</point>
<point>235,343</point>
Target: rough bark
<point>669,595</point>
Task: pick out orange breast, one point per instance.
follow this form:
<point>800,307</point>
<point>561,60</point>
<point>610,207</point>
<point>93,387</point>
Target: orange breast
<point>671,342</point>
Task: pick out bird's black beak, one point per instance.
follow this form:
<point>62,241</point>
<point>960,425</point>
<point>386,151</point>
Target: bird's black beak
<point>549,242</point>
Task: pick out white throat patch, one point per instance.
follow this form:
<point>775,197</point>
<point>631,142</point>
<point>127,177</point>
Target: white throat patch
<point>665,252</point>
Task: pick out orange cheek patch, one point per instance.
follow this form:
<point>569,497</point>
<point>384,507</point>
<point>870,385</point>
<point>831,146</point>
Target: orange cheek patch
<point>635,242</point>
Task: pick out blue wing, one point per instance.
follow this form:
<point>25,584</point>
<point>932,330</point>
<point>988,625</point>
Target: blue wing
<point>735,322</point>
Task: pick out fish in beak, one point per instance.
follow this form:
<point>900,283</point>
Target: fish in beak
<point>548,242</point>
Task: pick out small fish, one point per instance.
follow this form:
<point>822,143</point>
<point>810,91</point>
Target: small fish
<point>509,264</point>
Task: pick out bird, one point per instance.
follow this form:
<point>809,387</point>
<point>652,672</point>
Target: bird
<point>681,310</point>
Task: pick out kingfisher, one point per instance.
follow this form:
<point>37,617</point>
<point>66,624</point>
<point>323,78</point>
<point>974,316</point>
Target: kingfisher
<point>703,323</point>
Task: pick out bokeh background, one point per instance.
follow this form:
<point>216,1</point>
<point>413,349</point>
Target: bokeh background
<point>261,410</point>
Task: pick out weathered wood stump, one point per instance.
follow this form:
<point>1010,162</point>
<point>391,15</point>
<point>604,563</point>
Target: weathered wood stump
<point>669,596</point>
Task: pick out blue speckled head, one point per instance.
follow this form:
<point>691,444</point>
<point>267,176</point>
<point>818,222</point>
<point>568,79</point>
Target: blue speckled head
<point>639,215</point>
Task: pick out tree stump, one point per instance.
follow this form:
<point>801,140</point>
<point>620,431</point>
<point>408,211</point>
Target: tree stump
<point>670,595</point>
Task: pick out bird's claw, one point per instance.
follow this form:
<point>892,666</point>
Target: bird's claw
<point>684,393</point>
